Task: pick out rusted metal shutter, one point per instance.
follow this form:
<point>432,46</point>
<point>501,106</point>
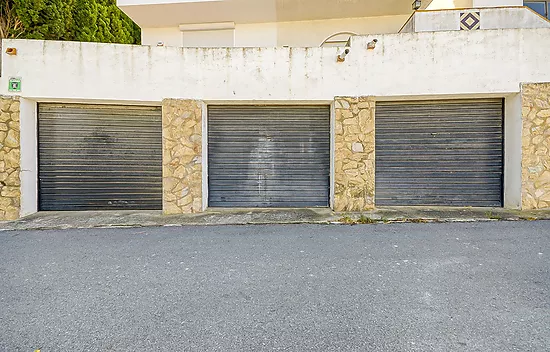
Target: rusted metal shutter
<point>99,157</point>
<point>268,156</point>
<point>439,153</point>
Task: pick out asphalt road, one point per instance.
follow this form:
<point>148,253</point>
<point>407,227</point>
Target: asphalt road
<point>400,287</point>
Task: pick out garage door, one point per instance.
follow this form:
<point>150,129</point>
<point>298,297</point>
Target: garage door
<point>439,153</point>
<point>268,156</point>
<point>94,157</point>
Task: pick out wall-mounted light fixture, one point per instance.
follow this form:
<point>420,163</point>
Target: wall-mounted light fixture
<point>417,4</point>
<point>372,44</point>
<point>11,51</point>
<point>342,56</point>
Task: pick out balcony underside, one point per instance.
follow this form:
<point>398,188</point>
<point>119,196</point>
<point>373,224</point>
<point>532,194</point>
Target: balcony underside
<point>162,13</point>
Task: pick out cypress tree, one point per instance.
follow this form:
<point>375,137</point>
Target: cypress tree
<point>85,19</point>
<point>104,33</point>
<point>45,19</point>
<point>79,20</point>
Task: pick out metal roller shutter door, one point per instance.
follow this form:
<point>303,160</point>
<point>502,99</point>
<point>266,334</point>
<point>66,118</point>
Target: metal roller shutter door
<point>439,153</point>
<point>99,157</point>
<point>268,156</point>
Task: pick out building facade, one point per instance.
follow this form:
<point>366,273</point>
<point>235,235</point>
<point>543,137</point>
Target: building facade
<point>447,105</point>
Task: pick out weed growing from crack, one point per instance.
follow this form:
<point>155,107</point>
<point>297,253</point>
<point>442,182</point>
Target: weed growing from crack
<point>490,215</point>
<point>346,220</point>
<point>528,218</point>
<point>365,220</point>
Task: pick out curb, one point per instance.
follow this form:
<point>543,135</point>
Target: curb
<point>351,222</point>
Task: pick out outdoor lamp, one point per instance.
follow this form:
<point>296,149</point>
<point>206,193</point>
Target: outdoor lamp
<point>416,5</point>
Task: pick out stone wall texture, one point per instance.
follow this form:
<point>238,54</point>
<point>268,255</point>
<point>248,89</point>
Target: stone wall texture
<point>182,156</point>
<point>354,153</point>
<point>535,162</point>
<point>10,159</point>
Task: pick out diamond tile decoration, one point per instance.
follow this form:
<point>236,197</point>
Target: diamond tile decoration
<point>470,21</point>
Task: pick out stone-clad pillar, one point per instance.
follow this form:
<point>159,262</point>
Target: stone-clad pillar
<point>182,156</point>
<point>535,183</point>
<point>10,159</point>
<point>354,154</point>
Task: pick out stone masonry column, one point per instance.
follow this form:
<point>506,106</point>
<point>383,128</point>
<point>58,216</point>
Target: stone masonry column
<point>10,159</point>
<point>354,154</point>
<point>535,163</point>
<point>182,156</point>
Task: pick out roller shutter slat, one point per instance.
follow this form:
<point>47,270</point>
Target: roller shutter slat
<point>268,156</point>
<point>99,157</point>
<point>439,153</point>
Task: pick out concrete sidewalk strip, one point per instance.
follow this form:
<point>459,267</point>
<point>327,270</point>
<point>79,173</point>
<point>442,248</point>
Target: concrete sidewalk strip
<point>116,219</point>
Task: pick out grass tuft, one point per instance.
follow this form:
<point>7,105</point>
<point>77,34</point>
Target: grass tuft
<point>365,220</point>
<point>490,215</point>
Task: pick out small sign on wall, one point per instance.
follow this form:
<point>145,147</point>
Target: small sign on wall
<point>14,84</point>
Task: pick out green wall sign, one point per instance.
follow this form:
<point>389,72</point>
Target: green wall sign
<point>14,84</point>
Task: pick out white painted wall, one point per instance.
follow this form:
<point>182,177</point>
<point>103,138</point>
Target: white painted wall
<point>209,39</point>
<point>436,21</point>
<point>297,33</point>
<point>494,18</point>
<point>204,157</point>
<point>29,167</point>
<point>409,26</point>
<point>511,18</point>
<point>149,2</point>
<point>312,33</point>
<point>449,4</point>
<point>512,151</point>
<point>256,34</point>
<point>497,3</point>
<point>406,64</point>
<point>461,4</point>
<point>168,36</point>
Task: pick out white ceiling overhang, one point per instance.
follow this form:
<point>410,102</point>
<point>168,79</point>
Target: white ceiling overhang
<point>164,13</point>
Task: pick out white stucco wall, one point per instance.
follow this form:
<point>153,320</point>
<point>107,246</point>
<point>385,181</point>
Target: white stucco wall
<point>499,18</point>
<point>312,33</point>
<point>458,4</point>
<point>437,21</point>
<point>297,33</point>
<point>497,3</point>
<point>407,64</point>
<point>149,2</point>
<point>449,4</point>
<point>29,160</point>
<point>168,36</point>
<point>209,39</point>
<point>256,34</point>
<point>512,151</point>
<point>518,17</point>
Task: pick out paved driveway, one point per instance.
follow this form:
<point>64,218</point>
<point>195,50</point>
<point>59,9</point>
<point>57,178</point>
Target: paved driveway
<point>400,287</point>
